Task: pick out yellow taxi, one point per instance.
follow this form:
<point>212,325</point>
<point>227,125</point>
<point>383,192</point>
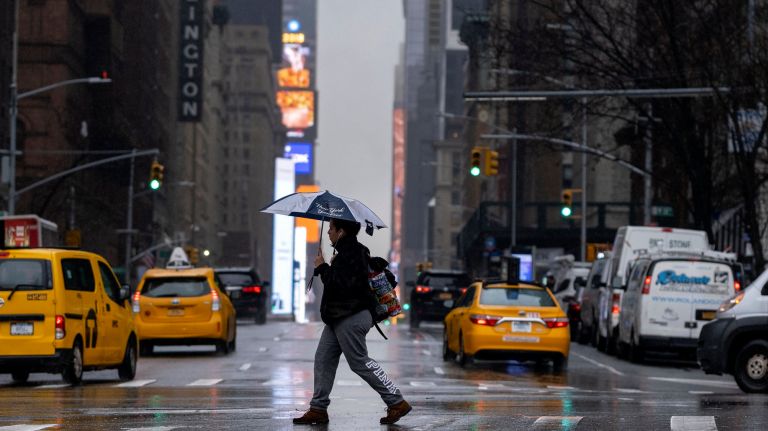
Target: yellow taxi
<point>63,311</point>
<point>183,307</point>
<point>502,321</point>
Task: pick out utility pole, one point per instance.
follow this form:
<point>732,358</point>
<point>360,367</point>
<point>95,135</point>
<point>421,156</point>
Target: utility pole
<point>13,111</point>
<point>129,223</point>
<point>647,184</point>
<point>584,180</point>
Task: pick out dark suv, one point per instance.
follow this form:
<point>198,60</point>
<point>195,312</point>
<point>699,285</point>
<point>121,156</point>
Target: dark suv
<point>433,294</point>
<point>249,294</point>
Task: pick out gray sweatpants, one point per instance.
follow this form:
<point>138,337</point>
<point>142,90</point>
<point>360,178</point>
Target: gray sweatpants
<point>348,337</point>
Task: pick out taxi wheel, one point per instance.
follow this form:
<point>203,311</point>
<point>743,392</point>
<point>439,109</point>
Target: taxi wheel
<point>461,357</point>
<point>446,351</point>
<point>20,376</point>
<point>72,372</point>
<point>145,348</point>
<point>233,344</point>
<point>635,350</point>
<point>222,347</point>
<point>261,315</point>
<point>560,363</point>
<point>751,368</point>
<point>127,370</point>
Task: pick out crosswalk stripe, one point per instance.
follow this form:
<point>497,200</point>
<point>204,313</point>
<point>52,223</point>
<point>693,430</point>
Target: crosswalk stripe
<point>26,427</point>
<point>560,387</point>
<point>700,382</point>
<point>204,382</point>
<point>263,349</point>
<point>692,423</point>
<point>422,384</point>
<point>700,392</point>
<point>135,383</point>
<point>245,367</point>
<point>60,385</point>
<point>630,391</point>
<point>160,428</point>
<point>426,352</point>
<point>546,423</point>
<point>439,370</point>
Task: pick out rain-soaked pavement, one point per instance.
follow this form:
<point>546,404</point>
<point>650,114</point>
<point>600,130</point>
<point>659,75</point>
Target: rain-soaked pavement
<point>269,380</point>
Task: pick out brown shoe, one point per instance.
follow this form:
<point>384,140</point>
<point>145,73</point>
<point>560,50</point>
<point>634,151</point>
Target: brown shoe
<point>312,416</point>
<point>395,412</point>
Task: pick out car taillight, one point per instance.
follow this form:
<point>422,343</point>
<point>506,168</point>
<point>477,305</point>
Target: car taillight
<point>647,285</point>
<point>136,307</point>
<point>61,327</point>
<point>575,306</point>
<point>423,289</point>
<point>737,285</point>
<point>463,289</point>
<point>252,289</point>
<point>556,322</point>
<point>484,319</point>
<point>616,305</point>
<point>215,301</point>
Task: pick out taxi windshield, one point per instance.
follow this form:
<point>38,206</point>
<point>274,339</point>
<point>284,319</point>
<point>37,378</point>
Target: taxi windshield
<point>26,274</point>
<point>515,297</point>
<point>172,287</point>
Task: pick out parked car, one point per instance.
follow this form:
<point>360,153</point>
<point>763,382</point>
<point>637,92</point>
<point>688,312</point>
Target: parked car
<point>434,293</point>
<point>736,342</point>
<point>183,306</point>
<point>501,321</point>
<point>569,280</point>
<point>630,243</point>
<point>590,295</point>
<point>249,294</point>
<point>63,311</point>
<point>669,297</point>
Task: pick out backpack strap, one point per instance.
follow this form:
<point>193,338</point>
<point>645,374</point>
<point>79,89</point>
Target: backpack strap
<point>380,331</point>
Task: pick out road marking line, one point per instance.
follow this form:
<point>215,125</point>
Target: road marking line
<point>151,429</point>
<point>134,412</point>
<point>349,383</point>
<point>422,384</point>
<point>601,365</point>
<point>26,427</point>
<point>692,423</point>
<point>263,349</point>
<point>486,386</point>
<point>134,384</point>
<point>696,382</point>
<point>630,391</point>
<point>700,392</point>
<point>204,382</point>
<point>626,399</point>
<point>563,388</point>
<point>439,370</point>
<point>245,367</point>
<point>426,352</point>
<point>276,338</point>
<point>556,423</point>
<point>61,385</point>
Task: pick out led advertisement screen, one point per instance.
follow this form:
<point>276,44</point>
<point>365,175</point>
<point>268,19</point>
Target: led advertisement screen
<point>293,71</point>
<point>301,154</point>
<point>297,107</point>
<point>282,242</point>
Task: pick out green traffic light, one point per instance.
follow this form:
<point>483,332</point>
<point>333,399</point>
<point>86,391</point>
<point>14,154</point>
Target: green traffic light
<point>154,184</point>
<point>566,211</point>
<point>475,171</point>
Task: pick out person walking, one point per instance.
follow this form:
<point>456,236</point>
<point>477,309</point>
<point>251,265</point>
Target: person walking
<point>347,308</point>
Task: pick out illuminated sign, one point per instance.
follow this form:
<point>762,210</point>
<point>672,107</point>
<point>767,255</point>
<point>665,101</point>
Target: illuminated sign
<point>191,61</point>
<point>297,107</point>
<point>293,38</point>
<point>294,25</point>
<point>301,154</point>
<point>293,72</point>
<point>282,241</point>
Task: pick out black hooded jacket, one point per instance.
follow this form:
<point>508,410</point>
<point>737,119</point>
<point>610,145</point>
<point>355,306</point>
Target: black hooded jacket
<point>345,280</point>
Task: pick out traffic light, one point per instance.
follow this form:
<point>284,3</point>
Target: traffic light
<point>156,175</point>
<point>567,203</point>
<point>476,161</point>
<point>491,163</point>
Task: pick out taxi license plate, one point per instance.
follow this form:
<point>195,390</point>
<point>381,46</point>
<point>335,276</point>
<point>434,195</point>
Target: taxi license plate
<point>175,311</point>
<point>445,295</point>
<point>521,326</point>
<point>22,328</point>
<point>520,339</point>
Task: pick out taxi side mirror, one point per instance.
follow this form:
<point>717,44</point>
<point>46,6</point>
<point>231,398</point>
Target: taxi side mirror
<point>125,292</point>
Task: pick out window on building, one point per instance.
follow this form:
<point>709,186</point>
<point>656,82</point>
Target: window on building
<point>455,198</point>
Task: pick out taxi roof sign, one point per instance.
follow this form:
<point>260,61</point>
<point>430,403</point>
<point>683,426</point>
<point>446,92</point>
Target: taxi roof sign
<point>178,259</point>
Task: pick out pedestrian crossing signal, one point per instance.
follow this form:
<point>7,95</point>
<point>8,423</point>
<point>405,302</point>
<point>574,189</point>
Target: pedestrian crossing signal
<point>476,161</point>
<point>156,175</point>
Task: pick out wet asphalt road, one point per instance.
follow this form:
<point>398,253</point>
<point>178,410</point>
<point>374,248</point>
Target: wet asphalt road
<point>268,381</point>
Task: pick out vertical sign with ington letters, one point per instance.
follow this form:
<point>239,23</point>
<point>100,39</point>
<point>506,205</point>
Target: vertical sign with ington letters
<point>191,60</point>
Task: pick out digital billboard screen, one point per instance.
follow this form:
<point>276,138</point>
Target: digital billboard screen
<point>297,107</point>
<point>293,71</point>
<point>301,154</point>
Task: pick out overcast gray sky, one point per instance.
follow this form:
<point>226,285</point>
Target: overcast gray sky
<point>358,45</point>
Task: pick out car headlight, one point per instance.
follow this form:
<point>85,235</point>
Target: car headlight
<point>727,305</point>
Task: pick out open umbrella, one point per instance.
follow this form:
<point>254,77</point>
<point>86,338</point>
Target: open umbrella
<point>325,206</point>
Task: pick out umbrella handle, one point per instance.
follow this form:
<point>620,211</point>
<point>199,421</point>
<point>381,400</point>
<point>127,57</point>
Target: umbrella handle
<point>319,253</point>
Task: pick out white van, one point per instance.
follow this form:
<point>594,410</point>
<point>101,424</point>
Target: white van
<point>668,299</point>
<point>630,243</point>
